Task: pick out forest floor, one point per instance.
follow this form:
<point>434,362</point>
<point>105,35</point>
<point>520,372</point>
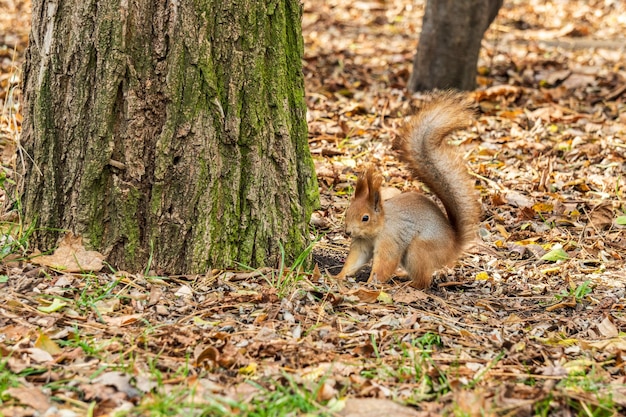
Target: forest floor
<point>532,321</point>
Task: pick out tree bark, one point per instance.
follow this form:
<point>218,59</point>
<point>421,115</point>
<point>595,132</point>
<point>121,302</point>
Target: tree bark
<point>447,53</point>
<point>168,133</point>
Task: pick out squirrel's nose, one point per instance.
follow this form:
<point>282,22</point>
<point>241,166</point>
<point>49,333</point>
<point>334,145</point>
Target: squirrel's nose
<point>348,232</point>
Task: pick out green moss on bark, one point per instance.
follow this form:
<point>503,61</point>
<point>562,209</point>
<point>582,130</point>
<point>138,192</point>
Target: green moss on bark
<point>195,143</point>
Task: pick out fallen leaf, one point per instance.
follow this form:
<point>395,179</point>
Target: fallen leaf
<point>556,254</point>
<point>184,292</point>
<point>579,80</point>
<point>249,369</point>
<point>607,328</point>
<point>365,295</point>
<point>45,343</point>
<point>203,354</point>
<point>39,355</point>
<point>71,256</point>
<point>482,276</point>
<point>56,305</point>
<point>409,295</point>
<point>107,306</point>
<point>374,407</point>
<point>121,321</point>
<point>602,216</point>
<point>384,298</point>
<point>119,380</point>
<point>30,396</point>
<point>517,200</point>
<point>326,391</point>
<point>145,382</point>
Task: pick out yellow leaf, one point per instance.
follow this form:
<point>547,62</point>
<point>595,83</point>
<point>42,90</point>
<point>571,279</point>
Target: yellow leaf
<point>384,298</point>
<point>250,369</point>
<point>482,276</point>
<point>502,231</point>
<point>551,271</point>
<point>543,207</point>
<point>44,342</point>
<point>200,322</point>
<point>578,365</point>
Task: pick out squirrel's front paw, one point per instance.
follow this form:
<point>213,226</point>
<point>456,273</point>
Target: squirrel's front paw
<point>373,279</point>
<point>341,275</point>
<point>377,278</point>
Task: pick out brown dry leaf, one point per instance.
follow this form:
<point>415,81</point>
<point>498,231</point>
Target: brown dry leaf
<point>575,81</point>
<point>326,391</point>
<point>602,216</point>
<point>496,91</point>
<point>365,349</point>
<point>119,380</point>
<point>409,295</point>
<point>155,296</point>
<point>567,302</point>
<point>121,321</point>
<point>374,407</point>
<point>364,295</point>
<point>319,220</point>
<point>518,200</point>
<point>316,274</point>
<point>30,396</point>
<point>13,333</point>
<point>39,355</point>
<point>71,256</point>
<point>229,355</point>
<point>617,344</point>
<point>202,354</point>
<point>607,328</point>
<point>473,403</point>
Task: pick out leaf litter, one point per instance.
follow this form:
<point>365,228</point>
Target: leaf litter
<point>531,321</point>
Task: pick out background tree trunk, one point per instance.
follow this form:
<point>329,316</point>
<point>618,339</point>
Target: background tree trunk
<point>171,130</point>
<point>447,53</point>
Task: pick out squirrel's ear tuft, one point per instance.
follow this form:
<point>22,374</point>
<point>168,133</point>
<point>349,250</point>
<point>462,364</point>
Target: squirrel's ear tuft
<point>361,186</point>
<point>374,182</point>
<point>368,186</point>
<point>374,179</point>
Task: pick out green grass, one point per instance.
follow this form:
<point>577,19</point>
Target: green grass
<point>410,361</point>
<point>272,398</point>
<point>14,237</point>
<point>577,293</point>
<point>7,380</point>
<point>284,279</point>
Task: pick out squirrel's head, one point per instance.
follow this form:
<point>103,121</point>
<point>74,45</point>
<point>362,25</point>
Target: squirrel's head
<point>364,217</point>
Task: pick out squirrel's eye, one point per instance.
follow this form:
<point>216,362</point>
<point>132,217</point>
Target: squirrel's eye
<point>365,218</point>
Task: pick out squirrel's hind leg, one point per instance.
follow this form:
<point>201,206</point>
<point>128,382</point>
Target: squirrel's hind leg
<point>423,258</point>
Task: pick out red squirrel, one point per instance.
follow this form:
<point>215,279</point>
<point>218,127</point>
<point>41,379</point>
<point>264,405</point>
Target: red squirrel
<point>410,230</point>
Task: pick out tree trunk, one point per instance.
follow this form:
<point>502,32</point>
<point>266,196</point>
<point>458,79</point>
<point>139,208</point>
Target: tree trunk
<point>447,53</point>
<point>170,133</point>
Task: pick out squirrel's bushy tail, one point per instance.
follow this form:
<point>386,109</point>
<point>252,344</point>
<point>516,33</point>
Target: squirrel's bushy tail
<point>433,161</point>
